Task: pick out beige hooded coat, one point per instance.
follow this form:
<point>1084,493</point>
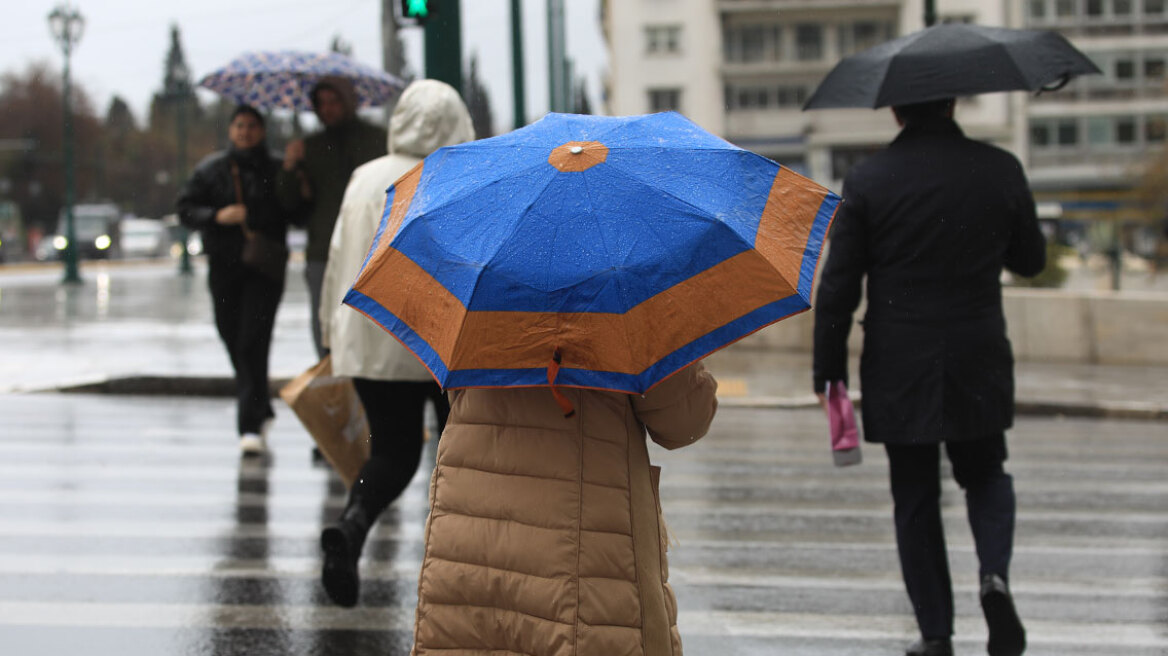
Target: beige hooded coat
<point>429,115</point>
<point>545,535</point>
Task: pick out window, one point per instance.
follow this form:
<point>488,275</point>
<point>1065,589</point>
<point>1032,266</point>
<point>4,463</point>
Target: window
<point>1095,8</point>
<point>1099,131</point>
<point>1156,129</point>
<point>752,98</point>
<point>663,39</point>
<point>1154,70</point>
<point>1122,7</point>
<point>861,35</point>
<point>809,42</point>
<point>1068,133</point>
<point>1125,130</point>
<point>753,43</point>
<point>1039,135</point>
<point>1038,9</point>
<point>1153,7</point>
<point>1064,8</point>
<point>664,100</point>
<point>1125,70</point>
<point>792,96</point>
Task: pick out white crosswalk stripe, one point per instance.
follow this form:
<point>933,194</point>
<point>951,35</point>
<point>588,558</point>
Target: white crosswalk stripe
<point>134,514</point>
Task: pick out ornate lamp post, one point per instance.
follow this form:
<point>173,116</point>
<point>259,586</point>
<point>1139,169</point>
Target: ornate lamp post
<point>67,25</point>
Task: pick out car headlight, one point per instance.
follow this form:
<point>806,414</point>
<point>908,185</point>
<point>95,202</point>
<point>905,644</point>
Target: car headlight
<point>59,242</point>
<point>103,242</point>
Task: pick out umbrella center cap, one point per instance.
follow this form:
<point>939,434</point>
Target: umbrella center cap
<point>576,156</point>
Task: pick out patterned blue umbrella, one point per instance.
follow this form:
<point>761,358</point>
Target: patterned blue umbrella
<point>283,79</point>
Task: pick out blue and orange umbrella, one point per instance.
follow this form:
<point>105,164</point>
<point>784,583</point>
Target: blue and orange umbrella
<point>589,251</point>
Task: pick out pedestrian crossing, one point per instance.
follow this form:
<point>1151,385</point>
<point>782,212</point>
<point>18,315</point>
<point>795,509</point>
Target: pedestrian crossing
<point>129,526</point>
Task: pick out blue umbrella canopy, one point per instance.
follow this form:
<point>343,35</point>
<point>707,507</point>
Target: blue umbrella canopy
<point>590,251</point>
<point>285,78</point>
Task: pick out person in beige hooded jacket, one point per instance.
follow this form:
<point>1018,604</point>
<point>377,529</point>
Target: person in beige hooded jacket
<point>545,535</point>
<point>392,384</point>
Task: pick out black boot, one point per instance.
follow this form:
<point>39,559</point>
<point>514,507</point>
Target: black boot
<point>342,549</point>
<point>1007,636</point>
<point>938,647</point>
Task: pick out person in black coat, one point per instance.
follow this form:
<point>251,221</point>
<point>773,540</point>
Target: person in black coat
<point>230,194</point>
<point>931,221</point>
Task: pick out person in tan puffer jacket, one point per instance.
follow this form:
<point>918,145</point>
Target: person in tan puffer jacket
<point>545,535</point>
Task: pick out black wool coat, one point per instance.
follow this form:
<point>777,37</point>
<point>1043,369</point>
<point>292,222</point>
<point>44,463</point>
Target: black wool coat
<point>930,221</point>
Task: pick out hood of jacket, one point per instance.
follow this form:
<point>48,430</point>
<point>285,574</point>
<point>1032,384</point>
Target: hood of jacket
<point>345,91</point>
<point>429,115</point>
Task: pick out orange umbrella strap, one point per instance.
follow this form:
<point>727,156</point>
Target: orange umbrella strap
<point>553,371</point>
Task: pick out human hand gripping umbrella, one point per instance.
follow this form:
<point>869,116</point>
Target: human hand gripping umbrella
<point>950,61</point>
<point>270,79</point>
<point>588,251</point>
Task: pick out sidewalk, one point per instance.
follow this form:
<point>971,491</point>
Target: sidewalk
<point>142,328</point>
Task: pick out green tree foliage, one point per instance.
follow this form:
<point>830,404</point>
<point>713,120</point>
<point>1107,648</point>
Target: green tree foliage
<point>32,143</point>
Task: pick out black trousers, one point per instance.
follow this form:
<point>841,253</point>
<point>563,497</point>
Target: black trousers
<point>245,305</point>
<point>920,538</point>
<point>396,414</point>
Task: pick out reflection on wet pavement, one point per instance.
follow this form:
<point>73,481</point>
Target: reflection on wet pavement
<point>129,527</point>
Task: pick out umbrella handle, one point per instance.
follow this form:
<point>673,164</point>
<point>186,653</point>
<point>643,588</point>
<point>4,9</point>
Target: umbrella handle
<point>553,371</point>
<point>1054,86</point>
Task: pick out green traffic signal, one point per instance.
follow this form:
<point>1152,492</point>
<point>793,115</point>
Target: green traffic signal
<point>419,9</point>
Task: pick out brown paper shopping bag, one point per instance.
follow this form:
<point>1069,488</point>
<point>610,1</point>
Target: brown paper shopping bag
<point>329,408</point>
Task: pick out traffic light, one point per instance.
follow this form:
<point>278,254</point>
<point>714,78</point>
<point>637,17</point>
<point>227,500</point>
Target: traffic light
<point>418,11</point>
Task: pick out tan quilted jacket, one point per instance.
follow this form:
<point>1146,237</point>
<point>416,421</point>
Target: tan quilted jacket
<point>545,535</point>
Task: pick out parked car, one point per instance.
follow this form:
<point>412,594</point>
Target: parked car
<point>50,247</point>
<point>95,227</point>
<point>144,238</point>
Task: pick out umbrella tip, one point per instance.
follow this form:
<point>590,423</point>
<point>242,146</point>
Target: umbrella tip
<point>576,150</point>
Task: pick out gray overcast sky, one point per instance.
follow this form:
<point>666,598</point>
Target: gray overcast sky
<point>125,41</point>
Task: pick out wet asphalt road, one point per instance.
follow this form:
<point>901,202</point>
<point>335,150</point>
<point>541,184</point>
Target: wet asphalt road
<point>130,527</point>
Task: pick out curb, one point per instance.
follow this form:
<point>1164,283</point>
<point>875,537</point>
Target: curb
<point>222,386</point>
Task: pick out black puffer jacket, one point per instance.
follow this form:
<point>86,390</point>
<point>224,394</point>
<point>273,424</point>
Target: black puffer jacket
<point>212,187</point>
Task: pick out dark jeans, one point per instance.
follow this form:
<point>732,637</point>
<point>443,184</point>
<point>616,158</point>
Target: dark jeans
<point>245,305</point>
<point>396,414</point>
<point>314,278</point>
<point>920,539</point>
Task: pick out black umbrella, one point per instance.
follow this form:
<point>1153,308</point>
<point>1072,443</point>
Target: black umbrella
<point>948,61</point>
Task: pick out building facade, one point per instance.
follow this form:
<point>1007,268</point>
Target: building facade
<point>1087,142</point>
<point>742,69</point>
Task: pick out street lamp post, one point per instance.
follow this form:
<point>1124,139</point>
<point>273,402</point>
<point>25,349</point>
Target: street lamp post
<point>182,94</point>
<point>67,24</point>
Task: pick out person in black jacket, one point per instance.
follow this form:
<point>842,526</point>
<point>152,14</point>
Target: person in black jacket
<point>231,195</point>
<point>931,221</point>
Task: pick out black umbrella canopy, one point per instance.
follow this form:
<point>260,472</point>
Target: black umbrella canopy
<point>948,61</point>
